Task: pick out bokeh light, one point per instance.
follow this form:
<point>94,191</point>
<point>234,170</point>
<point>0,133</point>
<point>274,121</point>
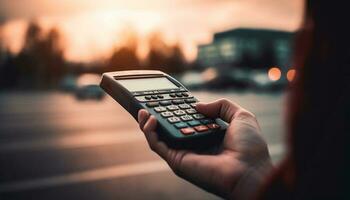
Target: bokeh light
<point>291,75</point>
<point>209,74</point>
<point>274,74</point>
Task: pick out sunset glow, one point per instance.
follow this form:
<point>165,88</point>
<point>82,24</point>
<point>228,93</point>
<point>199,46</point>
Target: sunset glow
<point>92,29</point>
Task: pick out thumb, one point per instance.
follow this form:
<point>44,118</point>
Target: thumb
<point>222,108</point>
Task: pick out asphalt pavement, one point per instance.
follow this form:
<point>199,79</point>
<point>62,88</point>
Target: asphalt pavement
<point>53,146</point>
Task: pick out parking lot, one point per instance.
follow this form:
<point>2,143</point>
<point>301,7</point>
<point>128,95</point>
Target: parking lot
<point>53,146</point>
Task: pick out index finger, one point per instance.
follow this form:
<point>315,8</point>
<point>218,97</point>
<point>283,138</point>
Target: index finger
<point>222,108</point>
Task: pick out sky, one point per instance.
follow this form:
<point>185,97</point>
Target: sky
<point>91,29</point>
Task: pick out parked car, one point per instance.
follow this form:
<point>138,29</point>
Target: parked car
<point>68,83</point>
<point>88,87</point>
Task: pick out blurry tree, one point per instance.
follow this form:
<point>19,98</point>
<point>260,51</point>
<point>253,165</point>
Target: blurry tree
<point>41,62</point>
<point>125,56</point>
<point>53,57</point>
<point>165,57</point>
<point>176,61</point>
<point>8,72</point>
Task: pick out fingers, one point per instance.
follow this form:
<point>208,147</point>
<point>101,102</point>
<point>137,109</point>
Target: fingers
<point>148,124</point>
<point>142,117</point>
<point>222,108</point>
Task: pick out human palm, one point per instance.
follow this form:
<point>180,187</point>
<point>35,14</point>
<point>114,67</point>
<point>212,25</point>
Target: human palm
<point>240,163</point>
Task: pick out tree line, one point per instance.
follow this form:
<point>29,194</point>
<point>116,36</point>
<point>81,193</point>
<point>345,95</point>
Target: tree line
<point>40,64</point>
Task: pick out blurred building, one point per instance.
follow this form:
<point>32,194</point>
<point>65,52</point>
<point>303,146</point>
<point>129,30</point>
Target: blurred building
<point>247,48</point>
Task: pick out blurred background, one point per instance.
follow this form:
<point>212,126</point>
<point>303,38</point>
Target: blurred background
<point>62,137</point>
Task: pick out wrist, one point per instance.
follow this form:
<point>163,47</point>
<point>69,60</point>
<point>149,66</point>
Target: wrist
<point>251,180</point>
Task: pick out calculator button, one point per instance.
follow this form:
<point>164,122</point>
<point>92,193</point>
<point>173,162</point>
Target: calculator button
<point>178,94</point>
<point>185,94</point>
<point>159,109</point>
<point>186,118</point>
<point>190,100</point>
<point>206,121</point>
<point>173,119</point>
<point>194,123</point>
<point>179,112</point>
<point>184,106</point>
<point>198,116</point>
<point>180,125</point>
<point>166,114</point>
<point>172,95</point>
<point>148,97</point>
<point>193,105</point>
<point>187,131</point>
<point>172,107</point>
<point>201,128</point>
<point>154,96</point>
<point>191,111</point>
<point>178,101</point>
<point>152,104</point>
<point>213,126</point>
<point>164,103</point>
<point>160,96</point>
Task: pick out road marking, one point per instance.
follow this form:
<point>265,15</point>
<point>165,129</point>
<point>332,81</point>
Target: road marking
<point>105,173</point>
<point>85,140</point>
<point>75,141</point>
<point>86,176</point>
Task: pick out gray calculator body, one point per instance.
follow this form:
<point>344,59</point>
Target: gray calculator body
<point>179,125</point>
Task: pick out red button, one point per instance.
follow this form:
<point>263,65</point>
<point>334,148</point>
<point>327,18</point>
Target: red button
<point>213,126</point>
<point>201,128</point>
<point>187,131</point>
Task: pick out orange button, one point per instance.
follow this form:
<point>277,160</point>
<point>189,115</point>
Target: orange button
<point>201,128</point>
<point>187,131</point>
<point>213,126</point>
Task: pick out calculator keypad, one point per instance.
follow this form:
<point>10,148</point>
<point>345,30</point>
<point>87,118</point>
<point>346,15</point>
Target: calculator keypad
<point>178,101</point>
<point>174,119</point>
<point>184,106</point>
<point>172,107</point>
<point>152,104</point>
<point>194,123</point>
<point>181,113</point>
<point>160,109</point>
<point>198,116</point>
<point>181,125</point>
<point>191,111</point>
<point>186,118</point>
<point>187,131</point>
<point>167,114</point>
<point>165,103</point>
<point>201,128</point>
<point>213,126</point>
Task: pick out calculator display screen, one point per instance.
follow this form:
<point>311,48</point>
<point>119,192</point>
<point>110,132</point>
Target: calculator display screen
<point>144,84</point>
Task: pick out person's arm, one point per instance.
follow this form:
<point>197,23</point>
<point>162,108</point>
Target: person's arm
<point>237,171</point>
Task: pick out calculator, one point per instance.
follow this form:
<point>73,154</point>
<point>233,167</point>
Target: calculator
<point>179,124</point>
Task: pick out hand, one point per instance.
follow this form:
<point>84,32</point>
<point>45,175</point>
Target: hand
<point>237,170</point>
